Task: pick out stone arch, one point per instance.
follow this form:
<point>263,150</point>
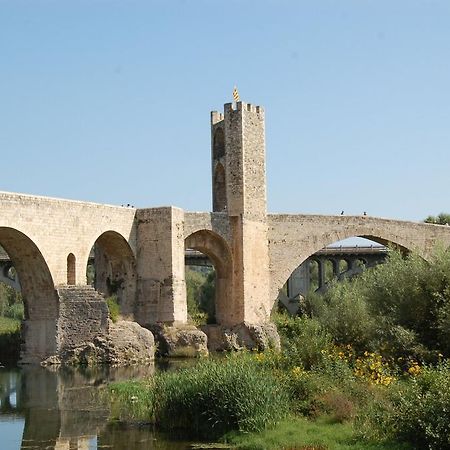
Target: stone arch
<point>296,255</point>
<point>218,144</point>
<point>41,305</point>
<point>218,251</point>
<point>71,269</point>
<point>115,270</point>
<point>219,189</point>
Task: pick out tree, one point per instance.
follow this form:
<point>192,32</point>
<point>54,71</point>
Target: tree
<point>441,219</point>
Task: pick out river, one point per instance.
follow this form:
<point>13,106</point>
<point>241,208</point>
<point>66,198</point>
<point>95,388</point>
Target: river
<point>66,409</point>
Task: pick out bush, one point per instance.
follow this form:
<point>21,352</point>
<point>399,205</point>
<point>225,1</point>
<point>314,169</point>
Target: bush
<point>303,341</point>
<point>113,307</point>
<point>10,340</point>
<point>200,295</point>
<point>400,308</point>
<point>416,411</point>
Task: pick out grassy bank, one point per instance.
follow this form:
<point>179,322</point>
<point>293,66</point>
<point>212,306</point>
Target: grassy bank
<point>365,367</point>
<point>299,433</point>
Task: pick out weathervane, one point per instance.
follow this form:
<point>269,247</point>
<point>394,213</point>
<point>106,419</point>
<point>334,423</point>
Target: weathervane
<point>236,97</point>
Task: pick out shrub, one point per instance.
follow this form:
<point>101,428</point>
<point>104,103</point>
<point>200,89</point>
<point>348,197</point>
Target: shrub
<point>200,295</point>
<point>400,308</point>
<point>303,341</point>
<point>416,410</point>
<point>114,308</point>
<point>10,340</point>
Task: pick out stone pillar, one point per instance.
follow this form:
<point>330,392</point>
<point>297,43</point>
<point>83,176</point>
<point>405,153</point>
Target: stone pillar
<point>335,263</point>
<point>161,289</point>
<point>321,270</point>
<point>299,282</point>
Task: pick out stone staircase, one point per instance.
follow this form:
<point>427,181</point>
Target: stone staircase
<point>83,315</point>
<point>79,293</point>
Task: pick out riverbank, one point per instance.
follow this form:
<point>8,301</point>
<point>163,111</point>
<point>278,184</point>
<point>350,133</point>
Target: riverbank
<point>313,394</point>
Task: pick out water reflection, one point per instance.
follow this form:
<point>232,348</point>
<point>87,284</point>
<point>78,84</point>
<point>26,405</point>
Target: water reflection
<point>67,409</point>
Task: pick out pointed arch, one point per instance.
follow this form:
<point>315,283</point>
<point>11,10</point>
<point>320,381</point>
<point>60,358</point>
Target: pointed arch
<point>115,270</point>
<point>219,189</point>
<point>218,251</point>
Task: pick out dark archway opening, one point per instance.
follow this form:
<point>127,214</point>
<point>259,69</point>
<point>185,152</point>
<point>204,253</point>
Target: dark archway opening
<point>111,270</point>
<point>200,288</point>
<point>219,144</point>
<point>218,283</point>
<point>29,298</point>
<point>335,262</point>
<point>219,189</point>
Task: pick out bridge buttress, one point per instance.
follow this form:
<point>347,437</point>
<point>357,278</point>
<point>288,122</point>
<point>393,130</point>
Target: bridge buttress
<point>161,290</point>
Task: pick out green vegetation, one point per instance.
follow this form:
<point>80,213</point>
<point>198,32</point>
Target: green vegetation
<point>441,219</point>
<point>300,433</point>
<point>11,316</point>
<point>365,368</point>
<point>200,291</point>
<point>209,400</point>
<point>400,308</point>
<point>11,303</point>
<point>113,307</point>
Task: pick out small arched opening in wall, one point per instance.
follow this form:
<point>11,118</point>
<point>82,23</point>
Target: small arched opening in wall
<point>28,297</point>
<point>333,263</point>
<point>218,144</point>
<point>211,287</point>
<point>111,270</point>
<point>219,189</point>
<point>71,269</point>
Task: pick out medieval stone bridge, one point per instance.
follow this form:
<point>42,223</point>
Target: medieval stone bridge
<point>139,253</point>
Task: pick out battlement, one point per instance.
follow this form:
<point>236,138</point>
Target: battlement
<point>216,117</point>
<point>242,106</point>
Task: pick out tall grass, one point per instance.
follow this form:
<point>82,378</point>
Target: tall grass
<point>209,400</point>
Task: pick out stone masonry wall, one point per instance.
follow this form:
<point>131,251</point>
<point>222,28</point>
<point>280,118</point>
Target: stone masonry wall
<point>295,237</point>
<point>59,227</point>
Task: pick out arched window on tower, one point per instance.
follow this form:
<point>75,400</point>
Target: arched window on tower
<point>219,189</point>
<point>219,144</point>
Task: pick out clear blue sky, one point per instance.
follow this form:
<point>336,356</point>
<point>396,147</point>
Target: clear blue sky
<point>109,101</point>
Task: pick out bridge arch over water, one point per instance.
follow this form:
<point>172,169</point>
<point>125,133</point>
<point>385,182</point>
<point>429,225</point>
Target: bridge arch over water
<point>41,305</point>
<point>218,251</point>
<point>115,270</point>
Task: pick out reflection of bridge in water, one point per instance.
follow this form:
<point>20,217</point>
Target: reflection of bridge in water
<point>64,409</point>
<point>344,262</point>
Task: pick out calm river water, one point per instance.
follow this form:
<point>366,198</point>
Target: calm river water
<point>65,410</point>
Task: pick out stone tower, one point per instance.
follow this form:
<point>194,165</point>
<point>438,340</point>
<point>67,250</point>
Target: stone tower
<point>239,190</point>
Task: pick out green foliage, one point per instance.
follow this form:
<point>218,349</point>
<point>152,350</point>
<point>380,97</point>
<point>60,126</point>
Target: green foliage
<point>401,308</point>
<point>113,307</point>
<point>11,303</point>
<point>441,219</point>
<point>303,341</point>
<point>211,399</point>
<point>200,293</point>
<point>10,339</point>
<point>302,434</point>
<point>416,411</point>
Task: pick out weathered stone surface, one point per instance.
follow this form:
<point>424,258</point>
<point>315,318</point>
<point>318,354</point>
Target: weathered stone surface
<point>250,336</point>
<point>180,341</point>
<point>127,343</point>
<point>140,254</point>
